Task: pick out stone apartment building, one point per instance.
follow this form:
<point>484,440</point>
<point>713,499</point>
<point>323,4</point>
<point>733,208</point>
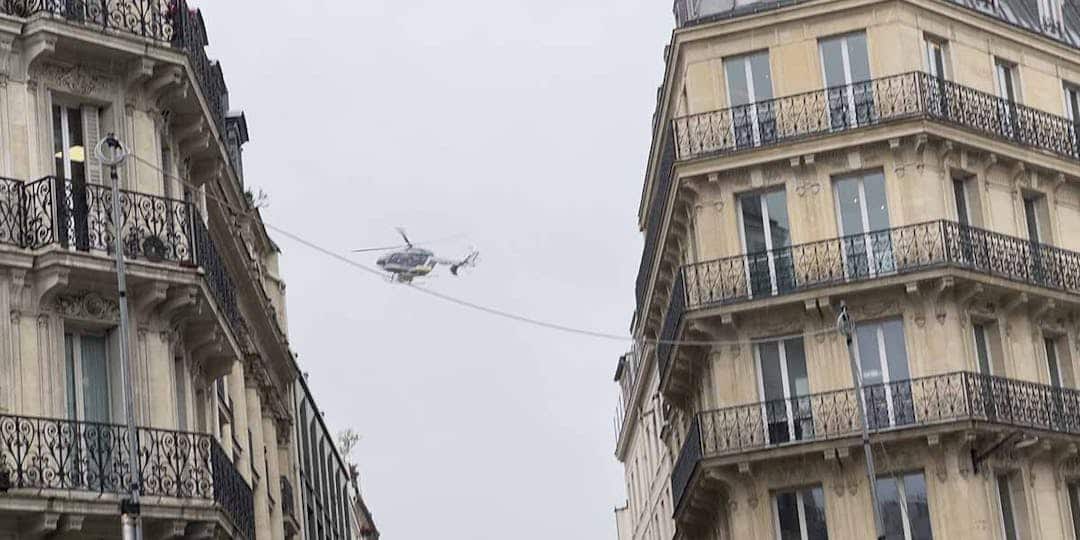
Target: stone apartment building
<point>917,160</point>
<point>220,408</point>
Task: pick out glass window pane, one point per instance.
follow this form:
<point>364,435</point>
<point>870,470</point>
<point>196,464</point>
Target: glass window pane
<point>869,356</point>
<point>95,378</point>
<point>798,380</point>
<point>814,509</point>
<point>877,207</point>
<point>1031,215</point>
<point>771,379</point>
<point>918,508</point>
<point>738,86</point>
<point>1007,519</point>
<point>753,223</point>
<point>896,350</point>
<point>960,193</point>
<point>858,57</point>
<point>69,358</point>
<point>1052,362</point>
<point>787,514</point>
<point>759,67</point>
<point>779,226</point>
<point>76,153</point>
<point>892,515</point>
<point>847,195</point>
<point>982,349</point>
<point>832,57</point>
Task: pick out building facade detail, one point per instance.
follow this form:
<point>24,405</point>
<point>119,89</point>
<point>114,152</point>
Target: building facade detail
<point>213,372</point>
<point>917,160</point>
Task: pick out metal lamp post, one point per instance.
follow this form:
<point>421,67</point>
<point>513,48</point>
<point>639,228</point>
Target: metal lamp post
<point>847,327</point>
<point>111,152</point>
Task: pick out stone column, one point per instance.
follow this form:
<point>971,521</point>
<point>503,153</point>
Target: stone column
<point>273,474</point>
<point>255,425</point>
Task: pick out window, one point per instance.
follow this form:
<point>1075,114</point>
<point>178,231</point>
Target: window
<point>784,385</point>
<point>882,358</point>
<point>1072,102</point>
<point>988,352</point>
<point>936,57</point>
<point>749,83</point>
<point>89,377</point>
<point>904,508</point>
<point>960,193</point>
<point>1051,15</point>
<point>1006,79</point>
<point>1005,76</point>
<point>766,232</point>
<point>800,514</point>
<point>1031,217</point>
<point>68,143</point>
<point>1074,506</point>
<point>846,66</point>
<point>1053,367</point>
<point>863,211</point>
<point>1011,501</point>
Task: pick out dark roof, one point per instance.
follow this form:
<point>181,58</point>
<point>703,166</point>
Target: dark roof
<point>1022,13</point>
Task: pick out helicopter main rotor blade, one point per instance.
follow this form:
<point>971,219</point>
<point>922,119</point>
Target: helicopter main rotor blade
<point>401,231</point>
<point>387,248</point>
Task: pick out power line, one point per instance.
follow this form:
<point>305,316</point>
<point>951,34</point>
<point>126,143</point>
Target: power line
<point>469,304</point>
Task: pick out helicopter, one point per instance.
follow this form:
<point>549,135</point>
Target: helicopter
<point>411,262</point>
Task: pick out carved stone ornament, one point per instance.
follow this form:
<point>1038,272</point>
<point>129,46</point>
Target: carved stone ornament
<point>88,306</point>
<point>75,79</point>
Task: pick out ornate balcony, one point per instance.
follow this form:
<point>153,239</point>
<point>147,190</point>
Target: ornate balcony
<point>864,257</point>
<point>78,216</point>
<point>838,110</point>
<point>955,397</point>
<point>166,22</point>
<point>868,103</point>
<point>56,454</point>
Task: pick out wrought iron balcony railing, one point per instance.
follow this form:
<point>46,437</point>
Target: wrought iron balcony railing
<point>47,453</point>
<point>78,216</point>
<point>863,257</point>
<point>844,108</point>
<point>170,22</point>
<point>958,396</point>
<point>880,254</point>
<point>657,210</point>
<point>151,19</point>
<point>868,103</point>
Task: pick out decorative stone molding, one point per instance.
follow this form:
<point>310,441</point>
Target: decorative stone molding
<point>75,79</point>
<point>87,306</point>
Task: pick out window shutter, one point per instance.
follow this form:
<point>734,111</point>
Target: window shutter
<point>91,136</point>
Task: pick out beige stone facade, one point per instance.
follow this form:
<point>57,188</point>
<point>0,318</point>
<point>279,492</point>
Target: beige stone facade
<point>215,381</point>
<point>918,161</point>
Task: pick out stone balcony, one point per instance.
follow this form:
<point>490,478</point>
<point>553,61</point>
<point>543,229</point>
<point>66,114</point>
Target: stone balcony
<point>829,112</point>
<point>85,464</point>
<point>959,401</point>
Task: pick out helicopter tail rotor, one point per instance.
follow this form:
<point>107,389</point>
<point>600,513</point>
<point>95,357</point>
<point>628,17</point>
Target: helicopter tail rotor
<point>468,261</point>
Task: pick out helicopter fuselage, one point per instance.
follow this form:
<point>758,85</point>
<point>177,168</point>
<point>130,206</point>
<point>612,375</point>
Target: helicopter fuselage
<point>407,264</point>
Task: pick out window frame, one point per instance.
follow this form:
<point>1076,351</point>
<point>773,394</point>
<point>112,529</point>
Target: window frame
<point>73,367</point>
<point>800,508</point>
<point>941,45</point>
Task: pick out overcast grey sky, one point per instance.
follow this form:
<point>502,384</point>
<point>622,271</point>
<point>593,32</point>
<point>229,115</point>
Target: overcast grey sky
<point>522,123</point>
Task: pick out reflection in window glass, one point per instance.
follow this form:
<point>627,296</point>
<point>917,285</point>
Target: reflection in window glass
<point>904,507</point>
<point>800,514</point>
